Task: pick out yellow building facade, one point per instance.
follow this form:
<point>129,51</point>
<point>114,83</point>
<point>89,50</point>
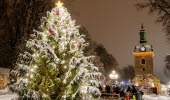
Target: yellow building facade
<point>144,55</point>
<point>4,77</point>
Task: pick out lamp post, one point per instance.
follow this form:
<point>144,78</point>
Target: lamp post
<point>114,75</point>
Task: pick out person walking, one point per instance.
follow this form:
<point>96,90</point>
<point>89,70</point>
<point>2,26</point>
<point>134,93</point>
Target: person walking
<point>134,92</point>
<point>116,89</point>
<point>129,89</point>
<point>107,88</point>
<point>122,94</point>
<point>128,93</point>
<point>100,88</point>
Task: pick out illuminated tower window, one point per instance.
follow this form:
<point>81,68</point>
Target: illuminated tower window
<point>143,61</point>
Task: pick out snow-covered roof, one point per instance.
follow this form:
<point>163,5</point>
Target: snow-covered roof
<point>4,71</point>
<point>148,48</point>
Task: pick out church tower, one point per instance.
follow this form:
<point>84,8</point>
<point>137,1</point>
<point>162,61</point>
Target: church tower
<point>143,57</point>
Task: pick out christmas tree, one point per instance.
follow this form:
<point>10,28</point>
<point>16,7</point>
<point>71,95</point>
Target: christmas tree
<point>53,67</point>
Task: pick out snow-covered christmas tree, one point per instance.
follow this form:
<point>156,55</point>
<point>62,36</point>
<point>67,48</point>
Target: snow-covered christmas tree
<point>54,67</point>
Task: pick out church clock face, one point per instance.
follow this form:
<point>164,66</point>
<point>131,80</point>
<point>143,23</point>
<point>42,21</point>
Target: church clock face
<point>142,49</point>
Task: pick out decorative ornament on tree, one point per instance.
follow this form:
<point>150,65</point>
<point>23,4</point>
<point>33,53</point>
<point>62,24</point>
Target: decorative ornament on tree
<point>51,31</point>
<point>58,14</point>
<point>79,46</point>
<point>59,4</point>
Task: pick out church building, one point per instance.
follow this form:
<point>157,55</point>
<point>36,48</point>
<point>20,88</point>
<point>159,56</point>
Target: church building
<point>143,57</point>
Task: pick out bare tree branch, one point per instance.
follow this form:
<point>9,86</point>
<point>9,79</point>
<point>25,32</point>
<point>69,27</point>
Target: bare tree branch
<point>162,8</point>
<point>17,20</point>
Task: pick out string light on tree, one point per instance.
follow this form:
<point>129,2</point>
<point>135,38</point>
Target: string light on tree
<point>35,55</point>
<point>32,70</point>
<point>26,80</point>
<point>44,36</point>
<point>64,81</point>
<point>65,67</point>
<point>31,76</point>
<point>53,47</point>
<point>35,66</point>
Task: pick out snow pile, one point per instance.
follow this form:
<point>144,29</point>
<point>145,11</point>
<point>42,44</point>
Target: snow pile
<point>7,97</point>
<point>155,97</point>
<point>5,92</point>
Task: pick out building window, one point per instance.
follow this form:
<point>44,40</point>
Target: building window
<point>143,61</point>
<point>143,69</point>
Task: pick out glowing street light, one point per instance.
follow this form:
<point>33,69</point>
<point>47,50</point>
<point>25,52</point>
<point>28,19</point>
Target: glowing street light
<point>113,75</point>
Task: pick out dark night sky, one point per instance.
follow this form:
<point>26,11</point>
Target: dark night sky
<point>116,24</point>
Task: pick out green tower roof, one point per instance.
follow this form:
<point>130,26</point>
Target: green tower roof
<point>143,46</point>
<point>142,35</point>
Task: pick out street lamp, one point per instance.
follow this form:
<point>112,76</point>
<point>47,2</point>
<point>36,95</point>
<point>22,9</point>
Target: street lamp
<point>113,75</point>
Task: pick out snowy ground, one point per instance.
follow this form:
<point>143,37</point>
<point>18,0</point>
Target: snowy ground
<point>11,96</point>
<point>155,97</point>
<point>7,97</point>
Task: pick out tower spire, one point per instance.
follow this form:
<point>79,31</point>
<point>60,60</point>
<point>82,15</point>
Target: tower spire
<point>142,27</point>
<point>142,35</point>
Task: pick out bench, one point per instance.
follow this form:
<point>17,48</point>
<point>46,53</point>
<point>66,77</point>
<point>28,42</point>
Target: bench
<point>110,96</point>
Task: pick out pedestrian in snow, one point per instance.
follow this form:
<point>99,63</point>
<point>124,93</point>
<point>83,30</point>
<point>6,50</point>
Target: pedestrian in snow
<point>128,93</point>
<point>134,92</point>
<point>129,89</point>
<point>100,88</point>
<point>107,88</point>
<point>116,89</point>
<point>122,94</point>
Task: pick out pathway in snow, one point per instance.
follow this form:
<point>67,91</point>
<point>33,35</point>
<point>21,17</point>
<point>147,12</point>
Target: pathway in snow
<point>7,97</point>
